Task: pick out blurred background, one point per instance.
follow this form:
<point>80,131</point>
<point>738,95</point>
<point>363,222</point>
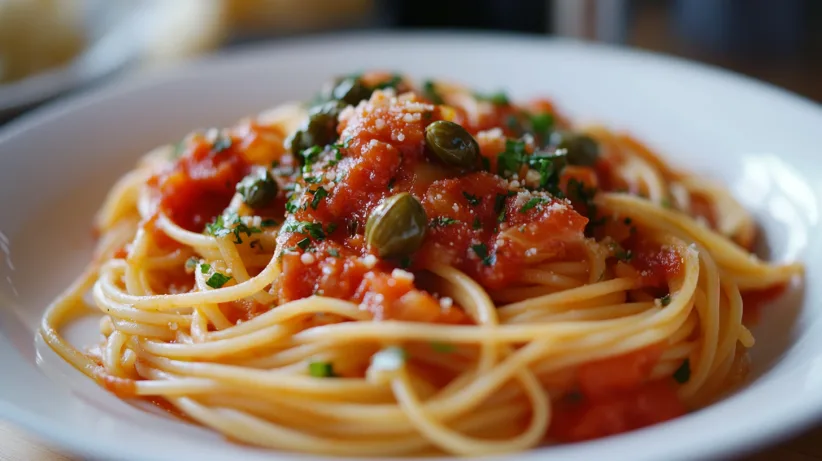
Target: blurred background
<point>51,47</point>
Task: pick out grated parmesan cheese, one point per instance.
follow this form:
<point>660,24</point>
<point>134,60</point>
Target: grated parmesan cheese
<point>307,259</point>
<point>400,274</point>
<point>369,261</point>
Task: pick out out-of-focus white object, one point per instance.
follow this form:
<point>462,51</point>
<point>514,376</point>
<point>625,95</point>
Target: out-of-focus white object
<point>32,30</point>
<point>36,35</point>
<point>182,28</point>
<point>116,34</point>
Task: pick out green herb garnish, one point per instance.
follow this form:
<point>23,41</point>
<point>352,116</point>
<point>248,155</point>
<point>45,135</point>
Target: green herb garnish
<point>532,203</point>
<point>442,221</point>
<point>473,200</point>
<point>217,280</point>
<point>443,348</point>
<point>315,230</point>
<point>321,369</point>
<point>319,194</point>
<point>482,251</point>
<point>221,144</point>
<point>683,373</point>
<point>430,92</point>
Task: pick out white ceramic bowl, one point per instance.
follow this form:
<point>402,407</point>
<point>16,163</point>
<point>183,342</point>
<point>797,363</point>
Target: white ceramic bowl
<point>56,164</point>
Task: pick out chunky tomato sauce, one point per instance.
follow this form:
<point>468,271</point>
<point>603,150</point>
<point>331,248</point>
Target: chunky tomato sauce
<point>616,395</point>
<point>478,220</point>
<point>202,182</point>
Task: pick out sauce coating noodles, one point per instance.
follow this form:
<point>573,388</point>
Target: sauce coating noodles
<point>407,271</point>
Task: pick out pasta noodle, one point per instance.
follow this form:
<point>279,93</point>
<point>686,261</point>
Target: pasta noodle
<point>403,271</point>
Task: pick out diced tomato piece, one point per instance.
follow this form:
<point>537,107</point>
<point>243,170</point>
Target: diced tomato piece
<point>647,405</point>
<point>622,373</point>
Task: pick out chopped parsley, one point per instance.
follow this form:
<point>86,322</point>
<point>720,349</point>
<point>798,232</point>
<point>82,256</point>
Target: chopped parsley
<point>585,196</point>
<point>217,280</point>
<point>179,149</point>
<point>443,348</point>
<point>205,268</point>
<point>549,168</point>
<point>683,373</point>
<point>405,262</point>
<point>498,99</point>
<point>392,83</point>
<point>430,92</point>
<point>477,223</point>
<point>513,124</point>
<point>319,194</point>
<point>321,369</point>
<point>221,144</point>
<point>313,179</point>
<point>666,203</point>
<point>532,203</point>
<point>231,224</point>
<point>665,300</point>
<point>499,207</point>
<point>291,206</point>
<point>473,200</point>
<point>623,255</point>
<point>512,158</point>
<point>310,155</point>
<point>191,264</point>
<point>333,253</point>
<point>442,221</point>
<point>541,125</point>
<point>331,228</point>
<point>304,243</point>
<point>315,230</point>
<point>482,251</point>
<point>268,223</point>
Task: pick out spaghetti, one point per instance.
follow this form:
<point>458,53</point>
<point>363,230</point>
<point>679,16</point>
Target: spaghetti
<point>403,271</point>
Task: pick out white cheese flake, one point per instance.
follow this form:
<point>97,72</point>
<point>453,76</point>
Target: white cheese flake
<point>369,261</point>
<point>307,259</point>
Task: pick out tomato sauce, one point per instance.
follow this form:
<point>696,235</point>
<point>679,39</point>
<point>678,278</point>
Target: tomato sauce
<point>754,300</point>
<point>478,221</point>
<point>616,395</point>
<point>202,182</point>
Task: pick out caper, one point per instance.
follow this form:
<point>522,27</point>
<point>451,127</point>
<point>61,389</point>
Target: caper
<point>396,227</point>
<point>258,189</point>
<point>320,128</point>
<point>452,144</point>
<point>580,149</point>
<point>350,90</point>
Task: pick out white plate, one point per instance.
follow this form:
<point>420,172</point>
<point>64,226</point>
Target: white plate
<point>56,165</point>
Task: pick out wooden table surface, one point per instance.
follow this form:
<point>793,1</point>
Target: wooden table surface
<point>16,445</point>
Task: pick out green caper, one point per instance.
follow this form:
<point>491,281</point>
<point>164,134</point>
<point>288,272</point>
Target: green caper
<point>320,128</point>
<point>350,90</point>
<point>258,189</point>
<point>580,149</point>
<point>452,144</point>
<point>396,227</point>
